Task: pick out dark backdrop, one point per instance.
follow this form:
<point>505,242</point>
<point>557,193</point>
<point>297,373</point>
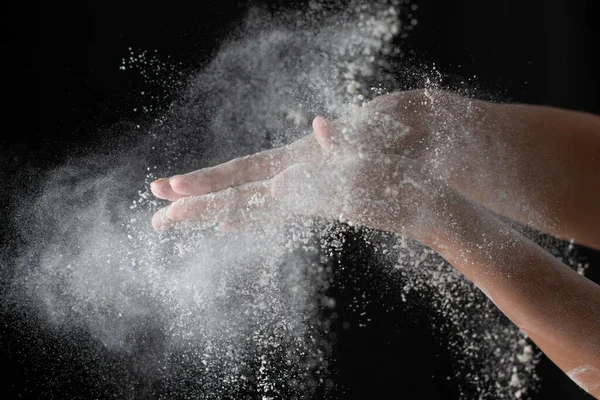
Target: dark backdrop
<point>62,85</point>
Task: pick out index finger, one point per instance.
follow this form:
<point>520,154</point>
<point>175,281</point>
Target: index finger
<point>252,168</point>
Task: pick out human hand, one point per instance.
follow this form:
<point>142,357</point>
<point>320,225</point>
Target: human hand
<point>412,123</point>
<point>402,123</point>
<point>385,192</point>
<point>237,192</point>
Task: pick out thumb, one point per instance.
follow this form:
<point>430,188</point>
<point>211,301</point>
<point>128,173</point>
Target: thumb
<point>324,132</point>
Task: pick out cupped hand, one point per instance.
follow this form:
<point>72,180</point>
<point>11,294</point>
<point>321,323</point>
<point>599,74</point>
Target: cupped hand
<point>385,192</point>
<point>402,123</point>
<point>350,168</point>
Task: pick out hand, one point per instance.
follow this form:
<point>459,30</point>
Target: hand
<point>397,123</point>
<point>385,192</point>
<point>409,123</point>
<point>402,123</point>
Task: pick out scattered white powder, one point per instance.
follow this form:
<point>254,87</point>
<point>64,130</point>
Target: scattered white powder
<point>231,315</point>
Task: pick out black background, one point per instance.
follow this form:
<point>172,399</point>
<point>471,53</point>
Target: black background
<point>62,85</point>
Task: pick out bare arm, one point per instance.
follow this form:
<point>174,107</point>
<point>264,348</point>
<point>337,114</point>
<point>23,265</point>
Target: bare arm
<point>537,165</point>
<point>558,308</point>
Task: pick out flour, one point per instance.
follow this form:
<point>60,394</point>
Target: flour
<point>235,315</point>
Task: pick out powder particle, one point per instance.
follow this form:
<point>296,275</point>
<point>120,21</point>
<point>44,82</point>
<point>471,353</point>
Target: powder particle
<point>231,316</point>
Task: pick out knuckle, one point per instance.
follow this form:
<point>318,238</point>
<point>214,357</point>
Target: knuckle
<point>208,183</point>
<point>179,183</point>
<point>172,213</point>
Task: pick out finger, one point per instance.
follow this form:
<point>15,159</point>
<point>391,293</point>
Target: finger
<point>209,210</point>
<point>252,168</point>
<point>160,221</point>
<point>323,133</point>
<point>333,137</point>
<point>161,188</point>
<point>224,205</point>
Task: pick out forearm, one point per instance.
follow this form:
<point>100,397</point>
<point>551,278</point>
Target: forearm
<point>558,308</point>
<point>537,165</point>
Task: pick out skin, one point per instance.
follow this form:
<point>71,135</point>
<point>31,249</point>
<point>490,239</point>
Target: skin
<point>441,169</point>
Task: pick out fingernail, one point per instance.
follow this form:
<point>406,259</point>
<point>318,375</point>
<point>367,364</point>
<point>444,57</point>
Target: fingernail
<point>180,184</point>
<point>157,181</point>
<point>322,121</point>
<point>160,221</point>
